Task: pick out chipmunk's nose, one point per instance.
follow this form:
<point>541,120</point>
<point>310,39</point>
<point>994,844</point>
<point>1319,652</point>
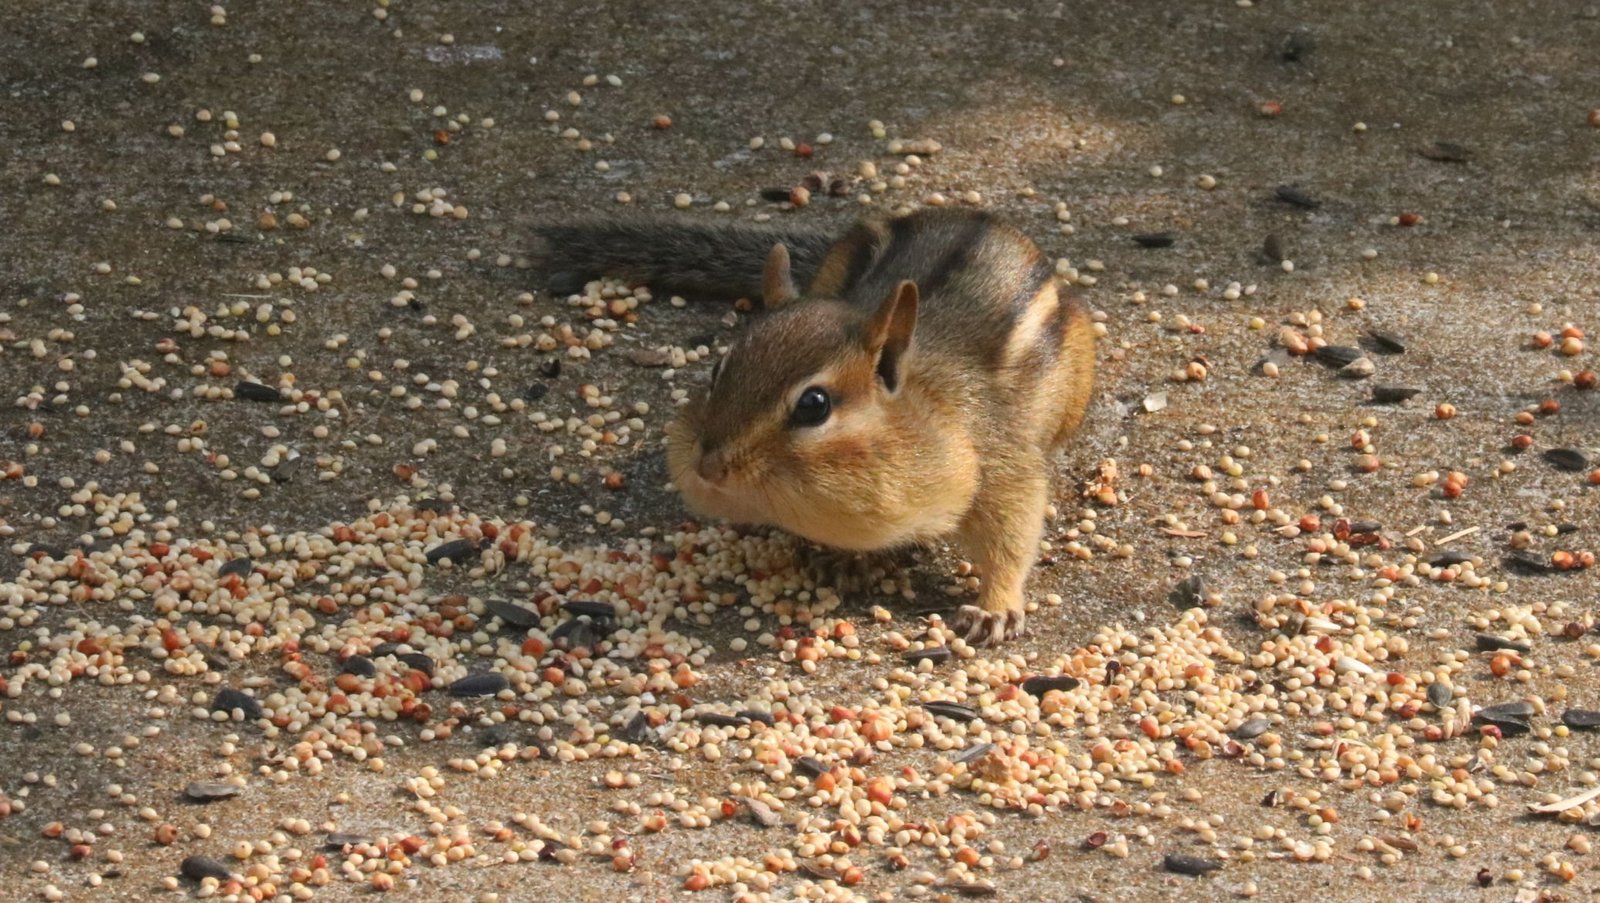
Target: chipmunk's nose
<point>713,465</point>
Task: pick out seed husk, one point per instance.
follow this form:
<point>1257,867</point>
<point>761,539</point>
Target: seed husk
<point>1156,239</point>
<point>955,711</point>
<point>1581,719</point>
<point>1360,368</point>
<point>1293,194</point>
<point>207,791</point>
<point>512,614</point>
<point>1273,249</point>
<point>340,839</point>
<point>1569,459</point>
<point>1393,394</point>
<point>1529,563</point>
<point>199,868</point>
<point>1440,694</point>
<point>1189,865</point>
<point>1191,592</point>
<point>1446,559</point>
<point>457,550</point>
<point>229,699</point>
<point>254,391</point>
<point>1445,152</point>
<point>969,888</point>
<point>760,813</point>
<point>485,684</point>
<point>638,729</point>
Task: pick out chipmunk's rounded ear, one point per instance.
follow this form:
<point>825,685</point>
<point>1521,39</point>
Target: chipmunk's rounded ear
<point>889,332</point>
<point>777,283</point>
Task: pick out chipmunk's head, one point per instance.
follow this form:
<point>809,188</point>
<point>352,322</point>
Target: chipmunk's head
<point>799,425</point>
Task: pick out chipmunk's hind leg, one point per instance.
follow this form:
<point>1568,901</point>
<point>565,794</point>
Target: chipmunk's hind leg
<point>851,572</point>
<point>1001,534</point>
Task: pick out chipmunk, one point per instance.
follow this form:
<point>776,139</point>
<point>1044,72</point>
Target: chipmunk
<point>916,389</point>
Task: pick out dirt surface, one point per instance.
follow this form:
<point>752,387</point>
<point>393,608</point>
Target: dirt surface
<point>365,260</point>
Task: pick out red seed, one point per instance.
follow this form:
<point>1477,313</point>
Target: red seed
<point>1410,219</point>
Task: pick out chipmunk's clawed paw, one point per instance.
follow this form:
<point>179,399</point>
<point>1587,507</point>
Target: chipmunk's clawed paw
<point>987,628</point>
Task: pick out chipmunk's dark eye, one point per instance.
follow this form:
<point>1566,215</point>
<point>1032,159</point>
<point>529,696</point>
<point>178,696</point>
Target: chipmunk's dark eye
<point>812,408</point>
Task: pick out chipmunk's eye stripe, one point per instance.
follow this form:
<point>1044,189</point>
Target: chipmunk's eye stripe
<point>812,407</point>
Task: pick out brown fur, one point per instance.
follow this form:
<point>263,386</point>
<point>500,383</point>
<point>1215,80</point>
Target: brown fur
<point>992,368</point>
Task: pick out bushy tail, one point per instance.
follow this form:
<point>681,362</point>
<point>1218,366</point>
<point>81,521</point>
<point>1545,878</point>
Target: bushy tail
<point>722,260</point>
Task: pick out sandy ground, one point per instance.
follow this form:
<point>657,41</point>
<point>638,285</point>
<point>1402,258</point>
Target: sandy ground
<point>1117,110</point>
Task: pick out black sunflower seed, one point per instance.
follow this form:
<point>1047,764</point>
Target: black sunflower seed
<point>360,666</point>
<point>236,567</point>
<point>199,868</point>
<point>930,654</point>
<point>1440,694</point>
<point>1446,559</point>
<point>1042,684</point>
<point>592,608</point>
<point>418,661</point>
<point>973,753</point>
<point>1520,708</point>
<point>229,699</point>
<point>813,767</point>
<point>1292,194</point>
<point>1569,459</point>
<point>486,684</point>
<point>512,614</point>
<point>1387,342</point>
<point>1488,642</point>
<point>1393,394</point>
<point>1581,719</point>
<point>1338,355</point>
<point>718,719</point>
<point>1189,865</point>
<point>955,711</point>
<point>337,840</point>
<point>776,195</point>
<point>1156,239</point>
<point>1251,729</point>
<point>457,550</point>
<point>550,367</point>
<point>757,715</point>
<point>1512,718</point>
<point>252,391</point>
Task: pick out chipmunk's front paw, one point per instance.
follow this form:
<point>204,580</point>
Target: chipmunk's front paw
<point>987,628</point>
